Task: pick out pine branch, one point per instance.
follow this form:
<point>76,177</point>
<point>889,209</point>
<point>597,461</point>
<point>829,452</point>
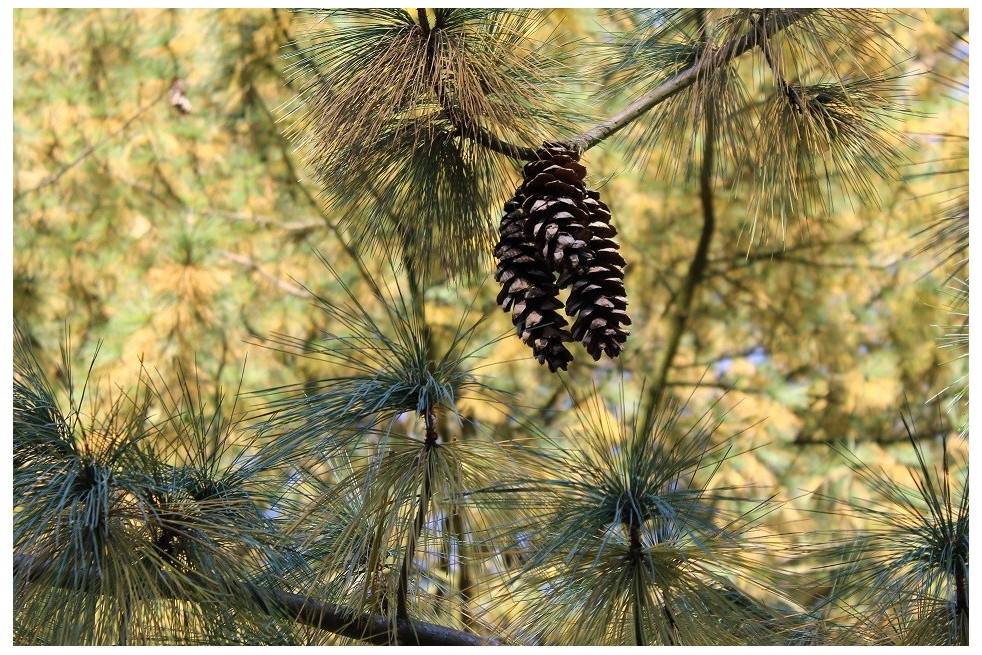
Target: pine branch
<point>703,68</point>
<point>772,63</point>
<point>638,591</point>
<point>372,628</point>
<point>251,265</point>
<point>697,269</point>
<point>87,152</point>
<point>475,133</point>
<point>402,611</point>
<point>961,602</point>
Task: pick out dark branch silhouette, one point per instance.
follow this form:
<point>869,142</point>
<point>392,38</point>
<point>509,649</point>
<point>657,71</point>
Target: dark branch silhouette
<point>372,628</point>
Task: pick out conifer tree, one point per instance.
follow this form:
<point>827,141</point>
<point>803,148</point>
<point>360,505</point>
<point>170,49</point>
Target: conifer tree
<point>390,483</point>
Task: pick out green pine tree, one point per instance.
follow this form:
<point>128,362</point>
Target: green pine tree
<point>698,222</point>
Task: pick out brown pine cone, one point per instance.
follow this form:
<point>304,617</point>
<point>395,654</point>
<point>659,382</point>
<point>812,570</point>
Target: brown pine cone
<point>528,289</point>
<point>556,219</point>
<point>597,296</point>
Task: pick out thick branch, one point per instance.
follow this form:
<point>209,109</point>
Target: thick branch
<point>373,628</point>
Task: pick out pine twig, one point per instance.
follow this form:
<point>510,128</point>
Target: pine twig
<point>638,590</point>
<point>468,129</point>
<point>88,151</point>
<point>673,628</point>
<point>961,602</point>
<point>765,47</point>
<point>251,265</point>
<point>402,601</point>
<point>701,69</point>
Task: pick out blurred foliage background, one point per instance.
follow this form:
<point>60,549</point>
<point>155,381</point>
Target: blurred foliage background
<point>186,242</point>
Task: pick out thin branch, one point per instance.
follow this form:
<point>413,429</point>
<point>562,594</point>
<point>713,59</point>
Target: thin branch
<point>457,118</point>
<point>697,268</point>
<point>638,592</point>
<point>672,631</point>
<point>590,138</point>
<point>288,161</point>
<point>373,628</point>
<point>57,175</point>
<point>402,608</point>
<point>854,240</point>
<point>801,261</point>
<point>483,137</point>
<point>961,600</point>
<point>729,387</point>
<point>248,263</point>
<point>765,47</point>
<point>866,436</point>
<point>703,68</point>
<point>292,226</point>
<point>465,583</point>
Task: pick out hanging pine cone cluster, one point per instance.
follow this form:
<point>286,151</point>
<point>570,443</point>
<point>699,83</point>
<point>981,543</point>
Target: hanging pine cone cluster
<point>555,227</point>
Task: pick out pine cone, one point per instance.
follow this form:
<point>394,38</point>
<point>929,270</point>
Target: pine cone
<point>555,226</point>
<point>556,218</point>
<point>528,289</point>
<point>597,296</point>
